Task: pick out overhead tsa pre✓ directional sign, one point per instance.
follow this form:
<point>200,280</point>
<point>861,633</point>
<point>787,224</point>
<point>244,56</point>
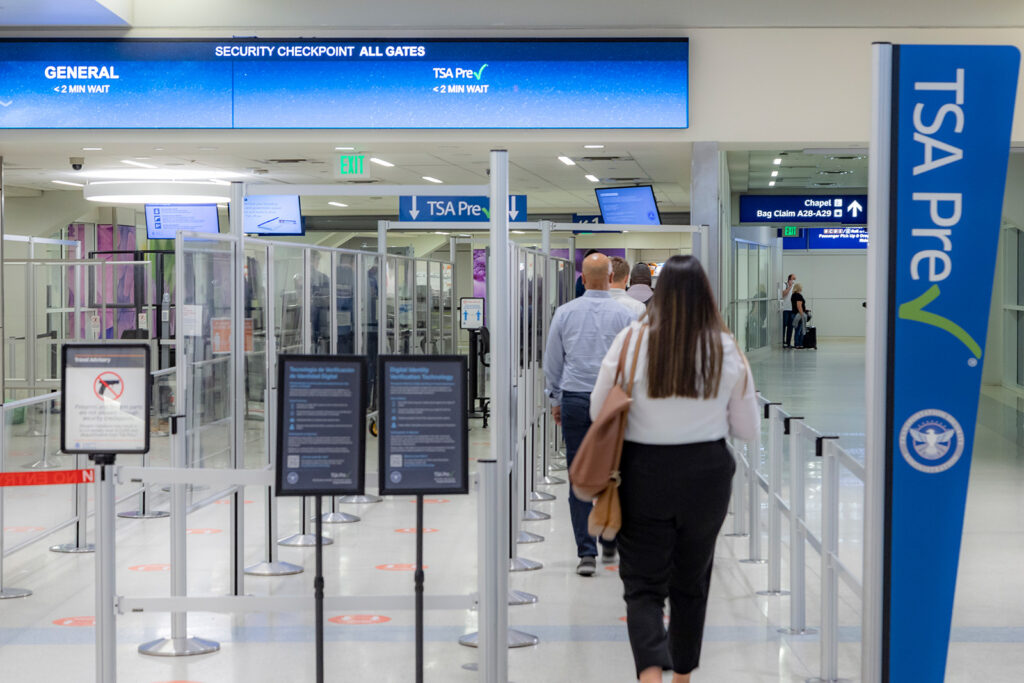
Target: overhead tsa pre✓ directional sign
<point>423,209</point>
<point>848,209</point>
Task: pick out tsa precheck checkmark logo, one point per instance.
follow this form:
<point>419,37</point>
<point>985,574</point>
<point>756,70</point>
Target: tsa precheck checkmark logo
<point>478,74</point>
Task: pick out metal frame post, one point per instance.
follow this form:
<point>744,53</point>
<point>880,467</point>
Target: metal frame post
<point>6,593</point>
<point>877,353</point>
<point>106,577</point>
<point>739,503</point>
<point>239,402</point>
<point>829,658</point>
<point>753,448</point>
<point>774,504</point>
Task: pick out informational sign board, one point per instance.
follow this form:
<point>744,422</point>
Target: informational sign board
<point>427,209</point>
<point>952,113</point>
<point>424,429</point>
<point>272,214</point>
<point>192,320</point>
<point>106,399</point>
<point>345,83</point>
<point>471,313</point>
<point>321,417</point>
<point>849,209</point>
<point>845,238</point>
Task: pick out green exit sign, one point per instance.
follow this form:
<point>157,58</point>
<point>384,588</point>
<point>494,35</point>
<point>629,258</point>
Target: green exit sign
<point>791,231</point>
<point>352,164</point>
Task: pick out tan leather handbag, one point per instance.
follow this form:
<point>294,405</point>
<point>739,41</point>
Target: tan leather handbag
<point>595,469</point>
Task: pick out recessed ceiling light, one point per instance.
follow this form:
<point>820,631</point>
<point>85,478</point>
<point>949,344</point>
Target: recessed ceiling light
<point>777,161</point>
<point>339,205</point>
<point>381,162</point>
<point>345,149</point>
<point>774,174</point>
<point>771,184</point>
<point>518,232</point>
<point>158,149</point>
<point>593,146</point>
<point>567,161</point>
<point>65,182</point>
<point>139,164</point>
<point>154,173</point>
<point>592,178</point>
<point>437,232</point>
<point>92,149</point>
<point>432,180</point>
<point>207,149</point>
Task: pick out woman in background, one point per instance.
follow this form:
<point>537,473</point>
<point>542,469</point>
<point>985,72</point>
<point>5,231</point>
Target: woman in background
<point>693,388</point>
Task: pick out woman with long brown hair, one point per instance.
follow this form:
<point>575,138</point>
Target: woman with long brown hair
<point>693,388</point>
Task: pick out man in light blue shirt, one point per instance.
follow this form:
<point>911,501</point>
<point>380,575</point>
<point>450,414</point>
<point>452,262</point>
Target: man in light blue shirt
<point>581,333</point>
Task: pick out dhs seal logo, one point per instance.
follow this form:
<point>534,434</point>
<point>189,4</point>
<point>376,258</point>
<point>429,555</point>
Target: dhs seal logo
<point>931,441</point>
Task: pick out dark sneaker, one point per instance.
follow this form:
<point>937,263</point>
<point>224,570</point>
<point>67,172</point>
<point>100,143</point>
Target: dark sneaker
<point>587,566</point>
<point>607,554</point>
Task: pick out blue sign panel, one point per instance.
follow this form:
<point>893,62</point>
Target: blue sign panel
<point>953,110</point>
<point>586,218</point>
<point>849,209</point>
<point>339,83</point>
<point>837,238</point>
<point>423,209</point>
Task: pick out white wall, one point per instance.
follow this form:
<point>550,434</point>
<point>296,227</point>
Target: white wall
<point>835,286</point>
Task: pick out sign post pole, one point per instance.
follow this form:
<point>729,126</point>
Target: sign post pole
<point>419,580</point>
<point>106,566</point>
<point>318,589</point>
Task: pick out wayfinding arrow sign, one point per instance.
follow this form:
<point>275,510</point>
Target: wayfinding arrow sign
<point>854,208</point>
<point>457,209</point>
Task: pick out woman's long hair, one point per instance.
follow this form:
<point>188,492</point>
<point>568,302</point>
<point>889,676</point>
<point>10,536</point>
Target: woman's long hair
<point>685,337</point>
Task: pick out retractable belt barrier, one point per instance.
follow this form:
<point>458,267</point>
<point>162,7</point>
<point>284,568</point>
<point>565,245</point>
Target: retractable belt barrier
<point>48,478</point>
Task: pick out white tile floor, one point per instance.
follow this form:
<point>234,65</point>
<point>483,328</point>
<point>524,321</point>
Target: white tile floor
<point>578,620</point>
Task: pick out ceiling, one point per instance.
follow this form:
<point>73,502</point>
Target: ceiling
<point>59,13</point>
<point>31,165</point>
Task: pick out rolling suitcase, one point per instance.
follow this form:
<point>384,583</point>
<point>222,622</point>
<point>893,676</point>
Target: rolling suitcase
<point>811,338</point>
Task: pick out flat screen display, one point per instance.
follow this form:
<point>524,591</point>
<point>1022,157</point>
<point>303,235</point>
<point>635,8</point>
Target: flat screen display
<point>345,83</point>
<point>164,221</point>
<point>628,205</point>
<point>272,214</point>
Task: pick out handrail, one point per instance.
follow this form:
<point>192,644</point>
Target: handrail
<point>22,402</point>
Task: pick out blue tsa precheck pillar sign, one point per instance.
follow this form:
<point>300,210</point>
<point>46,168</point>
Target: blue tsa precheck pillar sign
<point>952,112</point>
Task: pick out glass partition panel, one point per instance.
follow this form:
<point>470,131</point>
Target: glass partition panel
<point>256,337</point>
<point>437,340</point>
<point>369,315</point>
<point>208,276</point>
<point>447,308</point>
<point>404,283</point>
<point>345,283</point>
<point>289,316</point>
<point>752,266</point>
<point>391,304</point>
<point>421,309</point>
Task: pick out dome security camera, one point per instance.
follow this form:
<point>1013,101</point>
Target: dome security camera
<point>76,163</point>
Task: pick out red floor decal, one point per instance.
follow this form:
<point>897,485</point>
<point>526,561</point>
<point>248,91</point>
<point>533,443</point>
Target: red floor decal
<point>150,568</point>
<point>433,501</point>
<point>75,621</point>
<point>398,567</point>
<point>359,619</point>
<point>203,532</point>
<point>612,568</point>
<point>413,530</point>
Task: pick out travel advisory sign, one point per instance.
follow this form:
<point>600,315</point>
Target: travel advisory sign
<point>106,399</point>
<point>952,114</point>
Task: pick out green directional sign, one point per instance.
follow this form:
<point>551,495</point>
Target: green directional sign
<point>352,165</point>
<point>791,231</point>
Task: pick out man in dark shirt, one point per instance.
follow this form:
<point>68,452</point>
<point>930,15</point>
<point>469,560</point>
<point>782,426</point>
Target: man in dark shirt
<point>579,280</point>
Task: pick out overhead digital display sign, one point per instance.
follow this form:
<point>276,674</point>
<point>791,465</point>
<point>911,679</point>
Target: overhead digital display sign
<point>163,221</point>
<point>338,83</point>
<point>272,214</point>
<point>628,205</point>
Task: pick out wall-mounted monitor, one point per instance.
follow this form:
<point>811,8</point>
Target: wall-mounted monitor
<point>272,214</point>
<point>628,205</point>
<point>164,221</point>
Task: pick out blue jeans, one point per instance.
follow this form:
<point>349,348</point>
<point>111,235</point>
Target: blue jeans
<point>800,327</point>
<point>575,423</point>
<point>787,326</point>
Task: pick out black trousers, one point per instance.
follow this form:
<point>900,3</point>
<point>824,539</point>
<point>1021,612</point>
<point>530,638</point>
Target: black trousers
<point>674,501</point>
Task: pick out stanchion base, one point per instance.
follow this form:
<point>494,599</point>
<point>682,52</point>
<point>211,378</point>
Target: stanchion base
<point>535,516</point>
<point>43,465</point>
<point>273,569</point>
<point>303,541</point>
<point>515,639</point>
<point>552,481</point>
<point>736,535</point>
<point>137,514</point>
<point>516,598</point>
<point>798,632</point>
<point>772,594</point>
<point>178,647</point>
<point>541,497</point>
<point>11,593</point>
<point>521,564</point>
<point>73,549</point>
<point>751,560</point>
<point>338,518</point>
<point>360,500</point>
<point>528,537</point>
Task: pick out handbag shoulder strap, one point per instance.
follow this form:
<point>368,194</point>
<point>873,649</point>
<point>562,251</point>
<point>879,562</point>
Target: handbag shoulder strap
<point>620,371</point>
<point>636,356</point>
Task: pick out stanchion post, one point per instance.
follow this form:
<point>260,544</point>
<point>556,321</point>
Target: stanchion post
<point>797,535</point>
<point>739,510</point>
<point>318,589</point>
<point>418,579</point>
<point>753,447</point>
<point>774,509</point>
<point>106,586</point>
<point>81,496</point>
<point>829,552</point>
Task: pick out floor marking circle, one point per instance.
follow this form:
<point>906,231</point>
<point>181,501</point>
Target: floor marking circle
<point>203,532</point>
<point>150,568</point>
<point>359,619</point>
<point>75,621</point>
<point>413,530</point>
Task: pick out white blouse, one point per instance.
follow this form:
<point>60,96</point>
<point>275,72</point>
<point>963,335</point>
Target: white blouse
<point>667,421</point>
